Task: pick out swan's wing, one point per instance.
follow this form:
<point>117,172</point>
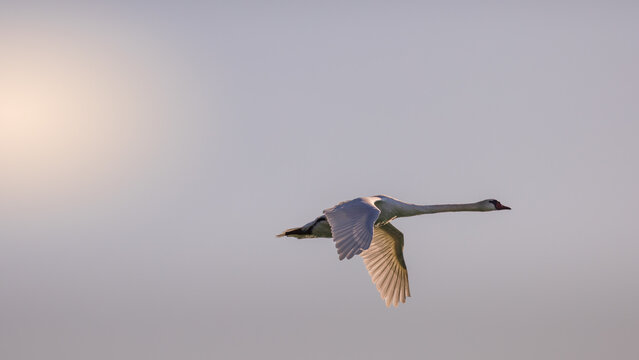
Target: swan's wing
<point>352,225</point>
<point>384,260</point>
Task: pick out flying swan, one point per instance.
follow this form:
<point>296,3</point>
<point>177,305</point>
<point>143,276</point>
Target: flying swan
<point>362,227</point>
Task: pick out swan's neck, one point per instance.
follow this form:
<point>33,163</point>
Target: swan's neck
<point>412,210</point>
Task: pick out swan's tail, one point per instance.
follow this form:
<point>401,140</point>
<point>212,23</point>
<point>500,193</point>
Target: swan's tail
<point>297,232</point>
<point>316,228</point>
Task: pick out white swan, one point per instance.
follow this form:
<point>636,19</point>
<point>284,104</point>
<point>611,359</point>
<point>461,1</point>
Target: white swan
<point>362,227</point>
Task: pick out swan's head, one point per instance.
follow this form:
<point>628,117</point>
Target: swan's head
<point>492,204</point>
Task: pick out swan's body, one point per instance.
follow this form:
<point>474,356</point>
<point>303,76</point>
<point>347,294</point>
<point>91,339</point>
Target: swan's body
<point>362,227</point>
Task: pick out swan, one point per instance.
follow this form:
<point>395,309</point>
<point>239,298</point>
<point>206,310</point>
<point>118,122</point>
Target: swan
<point>362,226</point>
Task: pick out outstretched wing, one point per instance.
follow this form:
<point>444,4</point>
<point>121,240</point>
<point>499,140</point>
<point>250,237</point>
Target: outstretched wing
<point>384,260</point>
<point>352,225</point>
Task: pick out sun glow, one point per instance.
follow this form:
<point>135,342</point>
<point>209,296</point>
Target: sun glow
<point>48,124</point>
<point>62,107</point>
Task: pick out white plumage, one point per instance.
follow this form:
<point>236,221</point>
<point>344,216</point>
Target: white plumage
<point>362,227</point>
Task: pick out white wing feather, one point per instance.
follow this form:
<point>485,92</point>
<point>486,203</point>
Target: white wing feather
<point>384,261</point>
<point>352,225</point>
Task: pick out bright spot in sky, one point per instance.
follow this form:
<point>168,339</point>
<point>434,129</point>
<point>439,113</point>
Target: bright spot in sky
<point>62,110</point>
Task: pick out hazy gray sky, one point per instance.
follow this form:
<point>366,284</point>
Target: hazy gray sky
<point>150,152</point>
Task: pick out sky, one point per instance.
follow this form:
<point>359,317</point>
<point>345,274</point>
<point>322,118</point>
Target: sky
<point>151,151</point>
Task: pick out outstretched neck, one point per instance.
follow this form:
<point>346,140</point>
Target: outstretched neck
<point>412,210</point>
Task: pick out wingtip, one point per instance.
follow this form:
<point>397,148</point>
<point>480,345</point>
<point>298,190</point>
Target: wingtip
<point>393,303</point>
